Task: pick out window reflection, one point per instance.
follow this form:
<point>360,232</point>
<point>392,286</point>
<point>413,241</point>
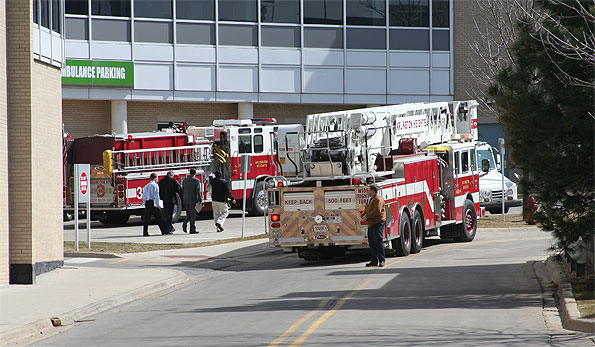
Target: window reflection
<point>153,9</point>
<point>280,11</point>
<point>409,13</point>
<point>440,13</point>
<point>116,8</point>
<point>237,10</point>
<point>77,7</point>
<point>366,12</point>
<point>195,9</point>
<point>323,12</point>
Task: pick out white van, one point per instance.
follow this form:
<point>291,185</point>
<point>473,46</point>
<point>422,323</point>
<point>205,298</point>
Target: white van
<point>490,181</point>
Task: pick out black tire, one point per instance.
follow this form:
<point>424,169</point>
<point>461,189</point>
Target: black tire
<point>259,200</point>
<point>417,233</point>
<point>498,210</point>
<point>114,218</point>
<point>177,209</point>
<point>402,245</point>
<point>468,228</point>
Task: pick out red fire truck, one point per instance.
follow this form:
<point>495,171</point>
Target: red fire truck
<point>422,157</point>
<point>121,164</point>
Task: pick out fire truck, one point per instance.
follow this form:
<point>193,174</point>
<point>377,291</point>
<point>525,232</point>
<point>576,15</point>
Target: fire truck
<point>422,157</point>
<point>121,164</point>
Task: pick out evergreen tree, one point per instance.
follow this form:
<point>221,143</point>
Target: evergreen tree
<point>550,122</point>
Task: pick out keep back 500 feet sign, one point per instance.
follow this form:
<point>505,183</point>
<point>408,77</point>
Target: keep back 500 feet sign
<point>98,72</point>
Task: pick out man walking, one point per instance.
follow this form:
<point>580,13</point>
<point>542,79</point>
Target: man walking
<point>220,195</point>
<point>151,199</point>
<point>191,192</point>
<point>168,188</point>
<point>375,219</point>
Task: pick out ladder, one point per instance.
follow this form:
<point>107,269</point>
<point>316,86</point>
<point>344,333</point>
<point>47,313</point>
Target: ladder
<point>164,158</point>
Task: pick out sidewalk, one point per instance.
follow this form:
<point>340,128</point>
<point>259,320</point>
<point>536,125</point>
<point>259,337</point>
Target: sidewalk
<point>73,293</point>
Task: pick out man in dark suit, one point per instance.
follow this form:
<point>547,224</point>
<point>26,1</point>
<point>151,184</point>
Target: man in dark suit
<point>220,195</point>
<point>375,219</point>
<point>168,188</point>
<point>191,192</point>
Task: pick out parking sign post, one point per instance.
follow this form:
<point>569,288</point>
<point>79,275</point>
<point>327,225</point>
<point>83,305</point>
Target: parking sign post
<point>82,194</point>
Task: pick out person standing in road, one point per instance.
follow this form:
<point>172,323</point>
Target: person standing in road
<point>375,219</point>
<point>220,195</point>
<point>168,188</point>
<point>191,192</point>
<point>151,199</point>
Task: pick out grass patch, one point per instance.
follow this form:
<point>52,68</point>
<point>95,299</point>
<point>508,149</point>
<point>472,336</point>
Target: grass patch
<point>583,289</point>
<point>118,248</point>
<point>495,221</point>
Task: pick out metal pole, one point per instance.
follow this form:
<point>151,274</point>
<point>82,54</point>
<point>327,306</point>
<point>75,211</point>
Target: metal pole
<point>503,192</point>
<point>245,163</point>
<point>76,185</point>
<point>89,224</point>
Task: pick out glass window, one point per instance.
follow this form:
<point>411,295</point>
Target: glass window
<point>473,165</point>
<point>440,13</point>
<point>237,10</point>
<point>153,9</point>
<point>257,130</point>
<point>323,37</point>
<point>35,12</point>
<point>323,12</point>
<point>77,7</point>
<point>195,9</point>
<point>369,12</point>
<point>280,36</point>
<point>258,144</point>
<point>244,131</point>
<point>410,39</point>
<point>457,165</point>
<point>465,161</point>
<point>76,28</point>
<point>487,155</point>
<point>409,13</point>
<point>441,40</point>
<point>275,11</point>
<point>238,35</point>
<point>245,144</point>
<point>111,30</point>
<point>45,13</point>
<point>198,34</point>
<point>359,38</point>
<point>153,32</point>
<point>56,16</point>
<point>116,8</point>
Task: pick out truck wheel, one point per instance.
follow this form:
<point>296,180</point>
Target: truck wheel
<point>114,218</point>
<point>402,245</point>
<point>418,232</point>
<point>259,202</point>
<point>177,209</point>
<point>468,228</point>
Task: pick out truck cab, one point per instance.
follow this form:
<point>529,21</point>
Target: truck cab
<point>490,181</point>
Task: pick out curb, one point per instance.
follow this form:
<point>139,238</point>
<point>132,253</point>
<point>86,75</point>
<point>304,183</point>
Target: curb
<point>44,328</point>
<point>90,255</point>
<point>569,312</point>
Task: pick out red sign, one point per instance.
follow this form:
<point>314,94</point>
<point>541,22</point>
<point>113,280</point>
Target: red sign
<point>101,190</point>
<point>84,183</point>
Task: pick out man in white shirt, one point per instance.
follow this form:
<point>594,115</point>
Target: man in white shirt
<point>151,199</point>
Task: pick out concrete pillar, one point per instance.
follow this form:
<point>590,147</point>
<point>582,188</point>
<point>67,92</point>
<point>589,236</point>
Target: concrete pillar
<point>119,117</point>
<point>245,110</point>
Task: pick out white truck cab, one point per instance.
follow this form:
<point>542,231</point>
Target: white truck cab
<point>490,181</point>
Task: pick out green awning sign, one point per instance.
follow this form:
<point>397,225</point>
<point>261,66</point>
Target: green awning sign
<point>98,73</point>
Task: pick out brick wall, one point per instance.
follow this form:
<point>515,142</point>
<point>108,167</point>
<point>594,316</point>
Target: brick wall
<point>469,84</point>
<point>296,113</point>
<point>46,165</point>
<point>86,117</point>
<point>4,264</point>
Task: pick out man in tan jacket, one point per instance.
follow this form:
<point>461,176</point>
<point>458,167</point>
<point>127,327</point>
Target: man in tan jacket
<point>375,219</point>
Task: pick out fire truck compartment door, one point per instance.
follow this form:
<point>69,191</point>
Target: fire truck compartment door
<point>298,201</point>
<point>102,191</point>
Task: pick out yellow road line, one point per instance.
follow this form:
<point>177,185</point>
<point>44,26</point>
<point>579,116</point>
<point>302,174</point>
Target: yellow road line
<point>325,316</point>
<point>119,261</point>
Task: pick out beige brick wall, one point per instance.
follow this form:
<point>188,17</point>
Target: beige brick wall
<point>4,264</point>
<point>296,113</point>
<point>46,166</point>
<point>86,117</point>
<point>19,59</point>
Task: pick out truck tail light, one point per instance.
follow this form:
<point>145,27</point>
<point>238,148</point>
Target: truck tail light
<point>275,225</point>
<point>120,188</point>
<point>275,218</point>
<point>357,181</point>
<point>280,184</point>
<point>362,222</point>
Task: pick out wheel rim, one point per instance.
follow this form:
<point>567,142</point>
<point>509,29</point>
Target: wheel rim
<point>407,234</point>
<point>261,200</point>
<point>469,221</point>
<point>417,231</point>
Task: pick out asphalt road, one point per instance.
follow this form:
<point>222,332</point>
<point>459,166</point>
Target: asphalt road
<point>451,294</point>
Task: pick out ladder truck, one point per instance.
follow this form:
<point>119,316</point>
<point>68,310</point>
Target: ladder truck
<point>422,157</point>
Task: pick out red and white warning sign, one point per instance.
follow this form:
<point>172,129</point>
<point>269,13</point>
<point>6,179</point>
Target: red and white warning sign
<point>84,183</point>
